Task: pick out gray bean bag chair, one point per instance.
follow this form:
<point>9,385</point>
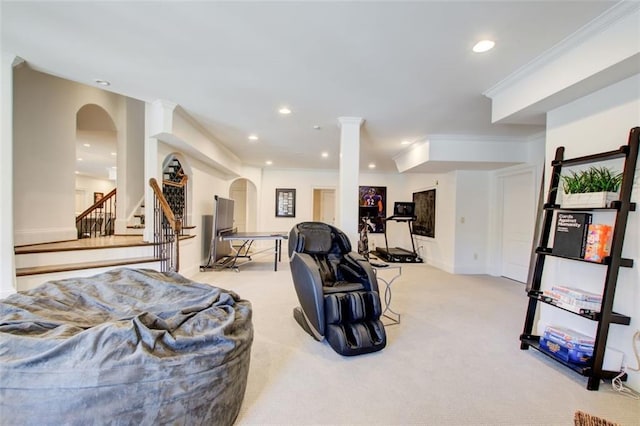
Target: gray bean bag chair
<point>127,347</point>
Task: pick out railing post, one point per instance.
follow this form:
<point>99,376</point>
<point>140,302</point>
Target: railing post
<point>168,231</point>
<point>176,245</point>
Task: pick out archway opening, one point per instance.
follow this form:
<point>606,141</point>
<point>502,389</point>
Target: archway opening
<point>96,155</point>
<point>245,196</point>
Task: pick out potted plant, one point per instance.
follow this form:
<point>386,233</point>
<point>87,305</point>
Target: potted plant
<point>594,187</point>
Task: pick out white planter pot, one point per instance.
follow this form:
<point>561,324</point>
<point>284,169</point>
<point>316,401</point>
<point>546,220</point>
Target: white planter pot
<point>589,199</point>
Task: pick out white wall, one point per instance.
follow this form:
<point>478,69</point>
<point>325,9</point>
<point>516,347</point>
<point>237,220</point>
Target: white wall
<point>90,185</point>
<point>45,110</point>
<point>205,186</point>
<point>7,264</point>
<point>303,181</point>
<point>596,123</point>
<point>53,102</point>
<point>471,222</point>
<point>211,169</point>
<point>205,183</point>
<point>130,179</point>
<point>439,251</point>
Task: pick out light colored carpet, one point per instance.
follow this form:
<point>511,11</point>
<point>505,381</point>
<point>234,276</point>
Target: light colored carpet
<point>454,359</point>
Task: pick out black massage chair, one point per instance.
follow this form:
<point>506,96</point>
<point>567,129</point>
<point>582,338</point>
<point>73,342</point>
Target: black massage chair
<point>337,290</point>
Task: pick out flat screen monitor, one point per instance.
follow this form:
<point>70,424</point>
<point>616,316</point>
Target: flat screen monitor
<point>404,208</point>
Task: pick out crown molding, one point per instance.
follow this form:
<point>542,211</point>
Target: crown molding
<point>350,120</point>
<point>611,16</point>
<point>476,138</point>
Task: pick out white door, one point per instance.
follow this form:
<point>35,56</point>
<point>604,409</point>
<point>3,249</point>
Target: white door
<point>328,209</point>
<point>238,193</point>
<point>518,225</point>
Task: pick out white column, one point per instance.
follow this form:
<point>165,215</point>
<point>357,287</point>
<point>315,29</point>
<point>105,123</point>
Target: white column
<point>349,174</point>
<point>7,261</point>
<point>158,121</point>
<point>121,182</point>
<point>153,114</point>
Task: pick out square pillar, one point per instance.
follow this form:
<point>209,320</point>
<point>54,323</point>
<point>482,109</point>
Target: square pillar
<point>349,177</point>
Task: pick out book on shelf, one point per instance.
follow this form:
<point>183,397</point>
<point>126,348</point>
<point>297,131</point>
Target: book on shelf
<point>588,303</point>
<point>571,234</point>
<point>567,344</point>
<point>598,242</point>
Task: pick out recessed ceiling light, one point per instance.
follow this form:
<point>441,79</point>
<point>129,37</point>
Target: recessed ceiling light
<point>372,166</point>
<point>253,137</point>
<point>268,162</point>
<point>284,111</point>
<point>102,82</point>
<point>325,154</point>
<point>79,159</point>
<point>77,172</point>
<point>483,46</point>
<point>113,153</point>
<point>86,144</point>
<point>405,142</point>
<point>317,127</point>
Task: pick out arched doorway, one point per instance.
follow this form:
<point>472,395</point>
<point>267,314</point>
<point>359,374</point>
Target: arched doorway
<point>245,196</point>
<point>176,173</point>
<point>96,144</point>
<point>96,155</point>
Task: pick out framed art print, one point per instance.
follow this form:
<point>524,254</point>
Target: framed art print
<point>285,202</point>
<point>372,206</point>
<point>425,223</point>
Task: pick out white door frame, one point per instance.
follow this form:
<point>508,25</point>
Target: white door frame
<point>320,188</point>
<point>495,264</point>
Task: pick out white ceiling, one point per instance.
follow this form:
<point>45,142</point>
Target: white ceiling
<point>405,67</point>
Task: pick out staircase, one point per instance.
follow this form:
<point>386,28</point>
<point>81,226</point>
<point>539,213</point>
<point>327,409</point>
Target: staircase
<point>97,251</point>
<point>138,217</point>
<point>38,263</point>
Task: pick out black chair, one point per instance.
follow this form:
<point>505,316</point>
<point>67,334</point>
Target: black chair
<point>337,290</point>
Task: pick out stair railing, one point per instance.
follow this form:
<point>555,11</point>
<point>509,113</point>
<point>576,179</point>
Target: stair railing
<point>99,219</point>
<point>175,192</point>
<point>166,231</point>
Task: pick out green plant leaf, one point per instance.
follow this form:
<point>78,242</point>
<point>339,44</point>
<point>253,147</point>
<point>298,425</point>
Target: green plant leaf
<point>594,179</point>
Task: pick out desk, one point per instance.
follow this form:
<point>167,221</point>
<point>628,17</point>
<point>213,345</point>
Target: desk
<point>390,314</point>
<point>247,239</point>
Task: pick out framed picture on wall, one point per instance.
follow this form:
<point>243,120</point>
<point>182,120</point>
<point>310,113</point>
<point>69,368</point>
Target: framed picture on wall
<point>372,206</point>
<point>425,223</point>
<point>97,196</point>
<point>285,202</point>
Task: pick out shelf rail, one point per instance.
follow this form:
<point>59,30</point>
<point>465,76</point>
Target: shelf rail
<point>613,262</point>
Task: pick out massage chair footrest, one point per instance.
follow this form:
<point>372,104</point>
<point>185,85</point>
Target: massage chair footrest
<point>356,338</point>
<point>352,322</point>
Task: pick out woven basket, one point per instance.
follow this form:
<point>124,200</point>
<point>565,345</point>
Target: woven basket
<point>584,419</point>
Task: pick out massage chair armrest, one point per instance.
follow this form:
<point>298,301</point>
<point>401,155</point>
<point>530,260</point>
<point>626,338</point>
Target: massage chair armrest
<point>362,267</point>
<point>308,285</point>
